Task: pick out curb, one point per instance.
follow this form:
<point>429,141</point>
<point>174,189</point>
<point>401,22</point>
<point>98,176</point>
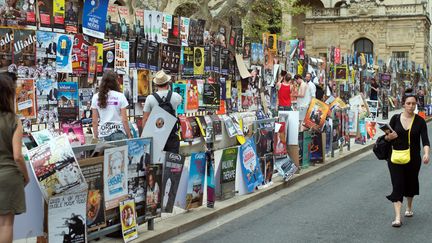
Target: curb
<point>204,215</point>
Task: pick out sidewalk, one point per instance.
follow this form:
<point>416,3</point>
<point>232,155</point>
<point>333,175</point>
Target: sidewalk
<point>167,228</point>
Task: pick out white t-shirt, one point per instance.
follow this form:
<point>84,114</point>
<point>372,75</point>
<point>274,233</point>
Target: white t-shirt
<point>110,120</point>
<point>304,101</point>
<point>312,89</point>
<point>151,101</point>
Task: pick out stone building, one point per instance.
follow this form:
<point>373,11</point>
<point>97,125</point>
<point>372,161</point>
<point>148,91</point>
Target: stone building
<point>384,28</point>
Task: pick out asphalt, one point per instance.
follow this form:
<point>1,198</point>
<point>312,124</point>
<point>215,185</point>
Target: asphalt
<point>348,205</point>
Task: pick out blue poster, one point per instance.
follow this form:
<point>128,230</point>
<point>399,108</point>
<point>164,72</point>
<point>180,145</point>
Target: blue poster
<point>181,90</point>
<point>94,18</point>
<point>64,53</point>
<point>252,174</point>
<point>194,195</point>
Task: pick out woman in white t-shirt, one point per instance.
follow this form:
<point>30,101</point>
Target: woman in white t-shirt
<point>110,121</point>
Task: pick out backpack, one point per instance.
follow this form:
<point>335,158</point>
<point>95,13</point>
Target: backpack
<point>165,102</point>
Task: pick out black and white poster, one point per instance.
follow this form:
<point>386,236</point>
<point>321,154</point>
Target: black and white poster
<point>153,56</point>
<point>170,58</point>
<point>171,179</point>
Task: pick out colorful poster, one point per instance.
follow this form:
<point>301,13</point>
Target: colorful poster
<point>198,61</point>
<point>108,55</point>
<point>170,58</point>
<point>100,57</point>
<point>64,53</point>
<point>316,114</point>
<point>115,175</point>
<point>252,174</point>
<point>80,54</point>
<point>370,127</point>
<point>373,108</point>
<point>128,218</point>
<point>46,53</point>
<point>18,13</point>
<point>95,212</point>
<point>210,179</point>
<point>139,155</point>
<point>171,180</point>
<point>59,15</point>
<point>74,132</point>
<point>341,73</point>
<point>67,98</point>
<point>92,64</point>
<point>194,196</point>
<point>25,98</point>
<point>184,30</point>
<point>45,8</point>
<point>174,31</point>
<point>285,167</point>
<point>121,61</point>
<point>24,52</point>
<point>71,16</point>
<point>94,18</point>
<point>85,96</point>
<point>167,20</point>
<point>153,193</point>
<point>67,218</point>
<point>192,96</point>
<point>279,141</point>
<point>46,100</point>
<point>317,149</point>
<point>196,32</point>
<point>144,86</point>
<point>181,90</point>
<point>6,47</point>
<point>228,172</point>
<point>56,168</point>
<point>188,61</point>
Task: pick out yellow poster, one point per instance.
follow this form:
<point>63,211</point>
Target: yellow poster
<point>59,8</point>
<point>128,220</point>
<point>25,103</point>
<point>99,60</point>
<point>228,89</point>
<point>198,61</point>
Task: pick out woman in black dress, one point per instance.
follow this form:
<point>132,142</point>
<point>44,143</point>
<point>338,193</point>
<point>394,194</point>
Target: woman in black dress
<point>404,177</point>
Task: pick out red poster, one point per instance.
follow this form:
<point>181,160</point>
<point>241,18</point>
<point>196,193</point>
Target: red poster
<point>337,56</point>
<point>80,55</point>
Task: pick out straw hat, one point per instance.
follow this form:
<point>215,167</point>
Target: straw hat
<point>161,78</point>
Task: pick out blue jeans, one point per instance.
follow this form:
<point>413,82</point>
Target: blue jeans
<point>115,136</point>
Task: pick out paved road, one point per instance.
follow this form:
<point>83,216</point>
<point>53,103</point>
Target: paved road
<point>346,206</point>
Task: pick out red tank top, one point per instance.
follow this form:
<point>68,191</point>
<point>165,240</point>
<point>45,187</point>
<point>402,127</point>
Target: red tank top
<point>284,95</point>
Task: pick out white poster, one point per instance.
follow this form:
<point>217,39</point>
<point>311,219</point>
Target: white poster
<point>158,126</point>
<point>291,119</point>
<point>121,61</point>
<point>67,218</point>
<point>115,175</point>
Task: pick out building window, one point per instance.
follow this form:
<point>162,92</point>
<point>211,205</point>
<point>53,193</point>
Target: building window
<point>400,54</point>
<point>363,45</point>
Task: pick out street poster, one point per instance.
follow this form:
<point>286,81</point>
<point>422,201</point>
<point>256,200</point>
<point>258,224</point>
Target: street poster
<point>198,61</point>
<point>108,55</point>
<point>59,15</point>
<point>42,136</point>
<point>124,25</point>
<point>316,114</point>
<point>252,175</point>
<point>80,54</point>
<point>268,167</point>
<point>317,148</point>
<point>94,18</point>
<point>67,217</point>
<point>185,129</point>
<point>24,42</point>
<point>144,85</point>
<point>71,16</point>
<point>208,59</point>
<point>229,126</point>
<point>138,23</point>
<point>192,96</point>
<point>25,99</point>
<point>180,89</point>
<point>373,108</point>
<point>141,53</point>
<point>95,209</point>
<point>188,61</point>
<point>211,95</point>
<point>170,58</point>
<point>64,53</point>
<point>184,30</point>
<point>196,32</point>
<point>159,126</point>
<point>166,27</point>
<point>285,167</point>
<point>171,179</point>
<point>115,176</point>
<point>121,60</point>
<point>153,56</point>
<point>45,9</point>
<point>139,155</point>
<point>279,141</point>
<point>74,131</point>
<point>18,13</point>
<point>67,98</point>
<point>128,218</point>
<point>194,196</point>
<point>228,172</point>
<point>112,28</point>
<point>46,53</point>
<point>56,168</point>
<point>6,43</point>
<point>153,192</point>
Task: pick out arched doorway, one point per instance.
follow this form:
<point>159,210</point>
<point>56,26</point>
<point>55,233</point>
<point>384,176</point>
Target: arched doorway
<point>364,45</point>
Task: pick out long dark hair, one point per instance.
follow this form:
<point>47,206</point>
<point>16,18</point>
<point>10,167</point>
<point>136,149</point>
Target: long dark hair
<point>7,87</point>
<point>109,82</point>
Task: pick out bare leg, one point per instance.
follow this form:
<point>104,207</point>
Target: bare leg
<point>6,228</point>
<point>397,208</point>
<point>409,204</point>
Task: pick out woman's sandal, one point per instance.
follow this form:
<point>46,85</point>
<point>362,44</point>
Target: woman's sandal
<point>396,224</point>
<point>409,213</point>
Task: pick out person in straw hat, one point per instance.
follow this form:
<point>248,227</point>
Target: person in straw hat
<point>167,100</point>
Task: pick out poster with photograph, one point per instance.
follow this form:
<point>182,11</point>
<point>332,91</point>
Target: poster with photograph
<point>316,114</point>
<point>74,132</point>
<point>341,73</point>
<point>279,141</point>
<point>252,174</point>
<point>80,54</point>
<point>137,21</point>
<point>95,209</point>
<point>46,97</point>
<point>45,9</point>
<point>71,15</point>
<point>115,176</point>
<point>64,53</point>
<point>167,25</point>
<point>121,61</point>
<point>195,189</point>
<point>170,58</point>
<point>153,56</point>
<point>174,31</point>
<point>373,108</point>
<point>144,85</point>
<point>85,97</point>
<point>6,40</point>
<point>153,192</point>
<point>67,218</point>
<point>94,18</point>
<point>180,89</point>
<point>153,25</point>
<point>139,156</point>
<point>67,98</point>
<point>198,61</point>
<point>211,96</point>
<point>112,27</point>
<point>317,149</point>
<point>56,168</point>
<point>108,55</point>
<point>124,25</point>
<point>171,179</point>
<point>184,30</point>
<point>196,32</point>
<point>46,53</point>
<point>208,59</point>
<point>192,96</point>
<point>18,13</point>
<point>228,172</point>
<point>24,51</point>
<point>128,219</point>
<point>186,131</point>
<point>25,102</point>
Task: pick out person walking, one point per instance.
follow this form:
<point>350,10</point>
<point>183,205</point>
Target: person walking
<point>408,128</point>
<point>167,100</point>
<point>284,93</point>
<point>109,118</point>
<point>374,90</point>
<point>13,172</point>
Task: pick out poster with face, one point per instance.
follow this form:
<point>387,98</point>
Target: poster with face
<point>184,30</point>
<point>108,55</point>
<point>116,175</point>
<point>154,191</point>
<point>71,16</point>
<point>194,196</point>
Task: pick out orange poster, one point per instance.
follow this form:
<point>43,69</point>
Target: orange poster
<point>25,98</point>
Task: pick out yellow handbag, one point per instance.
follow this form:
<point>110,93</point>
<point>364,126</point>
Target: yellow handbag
<point>401,157</point>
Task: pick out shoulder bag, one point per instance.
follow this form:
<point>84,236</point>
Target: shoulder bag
<point>402,157</point>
